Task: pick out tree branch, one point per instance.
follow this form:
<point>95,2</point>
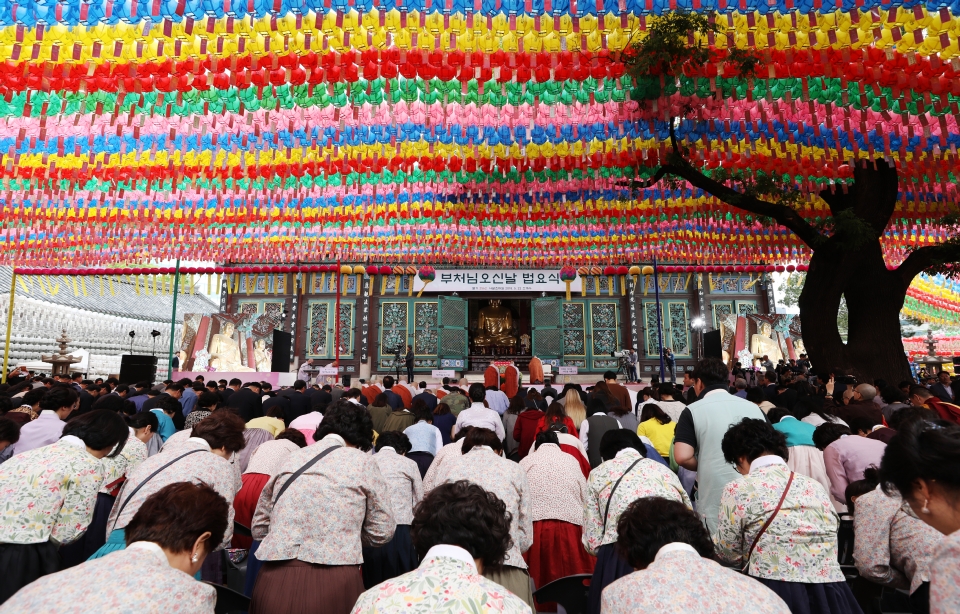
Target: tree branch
<point>929,256</point>
<point>784,215</point>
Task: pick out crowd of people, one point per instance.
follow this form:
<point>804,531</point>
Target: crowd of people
<point>714,496</point>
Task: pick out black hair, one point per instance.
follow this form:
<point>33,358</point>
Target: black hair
<point>109,401</point>
<point>755,395</point>
<point>609,375</point>
<point>441,409</point>
<point>143,420</point>
<point>208,400</point>
<point>422,412</point>
<point>871,477</point>
<point>863,423</point>
<point>5,405</point>
<point>100,429</point>
<point>174,387</point>
<point>776,414</point>
<point>711,372</point>
<point>59,397</point>
<point>771,376</point>
<point>465,515</point>
<point>381,400</point>
<point>293,435</point>
<point>806,406</point>
<point>753,437</point>
<point>546,437</point>
<point>175,516</point>
<point>32,397</point>
<point>235,382</point>
<point>909,413</point>
<point>620,439</point>
<point>922,450</point>
<point>829,432</point>
<point>650,523</point>
<point>652,411</point>
<point>168,405</point>
<point>350,421</point>
<point>388,382</point>
<point>299,385</point>
<point>222,429</point>
<point>595,406</point>
<point>252,385</point>
<point>892,394</point>
<point>9,431</point>
<point>667,388</point>
<point>462,434</point>
<point>481,437</point>
<point>396,440</point>
<point>477,392</point>
<point>352,393</point>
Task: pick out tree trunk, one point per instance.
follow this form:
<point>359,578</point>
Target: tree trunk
<point>875,295</point>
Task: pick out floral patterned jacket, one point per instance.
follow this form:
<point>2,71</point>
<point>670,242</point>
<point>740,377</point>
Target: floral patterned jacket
<point>507,480</point>
<point>647,479</point>
<point>441,584</point>
<point>115,469</point>
<point>891,547</point>
<point>945,577</point>
<point>338,504</point>
<point>403,480</point>
<point>800,545</point>
<point>48,493</point>
<point>137,579</point>
<point>679,581</point>
<point>203,466</point>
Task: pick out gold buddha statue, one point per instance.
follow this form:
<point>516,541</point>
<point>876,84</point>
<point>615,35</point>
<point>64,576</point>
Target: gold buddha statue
<point>762,344</point>
<point>495,326</point>
<point>225,351</point>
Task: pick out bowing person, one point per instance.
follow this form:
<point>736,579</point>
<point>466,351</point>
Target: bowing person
<point>206,456</point>
<point>326,502</point>
<point>402,474</point>
<point>671,551</point>
<point>482,464</point>
<point>625,475</point>
<point>167,540</point>
<point>49,494</point>
<point>460,531</point>
<point>779,526</point>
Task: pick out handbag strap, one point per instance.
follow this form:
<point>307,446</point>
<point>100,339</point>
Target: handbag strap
<point>310,463</point>
<point>149,477</point>
<point>763,529</point>
<point>606,511</point>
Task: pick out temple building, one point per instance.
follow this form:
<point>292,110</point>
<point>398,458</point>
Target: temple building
<point>464,319</point>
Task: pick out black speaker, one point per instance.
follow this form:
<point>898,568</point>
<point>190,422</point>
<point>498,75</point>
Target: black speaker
<point>280,361</point>
<point>711,344</point>
<point>135,368</point>
<point>345,380</point>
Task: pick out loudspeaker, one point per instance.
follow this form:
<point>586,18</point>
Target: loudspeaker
<point>280,360</point>
<point>345,380</point>
<point>134,368</point>
<point>711,344</point>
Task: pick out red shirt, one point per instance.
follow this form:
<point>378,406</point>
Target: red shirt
<point>567,422</point>
<point>525,430</point>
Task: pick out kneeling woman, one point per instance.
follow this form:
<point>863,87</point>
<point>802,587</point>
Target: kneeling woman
<point>167,540</point>
<point>204,457</point>
<point>313,516</point>
<point>49,495</point>
<point>406,490</point>
<point>779,526</point>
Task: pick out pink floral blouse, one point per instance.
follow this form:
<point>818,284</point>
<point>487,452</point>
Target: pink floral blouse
<point>892,547</point>
<point>338,504</point>
<point>48,493</point>
<point>945,576</point>
<point>403,480</point>
<point>137,579</point>
<point>558,489</point>
<point>800,545</point>
<point>647,479</point>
